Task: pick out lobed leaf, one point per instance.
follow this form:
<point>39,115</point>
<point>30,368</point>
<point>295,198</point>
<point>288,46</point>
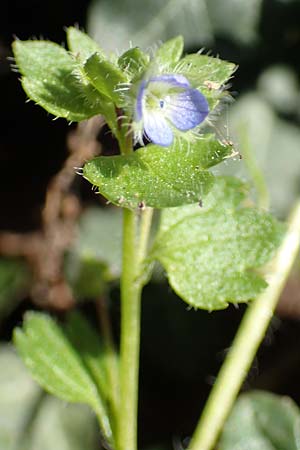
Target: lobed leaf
<point>211,254</point>
<point>261,420</point>
<point>51,77</point>
<point>155,176</point>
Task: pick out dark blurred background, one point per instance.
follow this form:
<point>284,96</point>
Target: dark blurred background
<point>181,349</point>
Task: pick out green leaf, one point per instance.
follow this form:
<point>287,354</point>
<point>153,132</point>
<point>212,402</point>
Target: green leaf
<point>88,344</point>
<point>32,421</point>
<point>51,77</point>
<point>211,253</point>
<point>156,176</point>
<point>169,52</point>
<point>261,420</point>
<point>54,364</point>
<point>133,61</point>
<point>105,76</point>
<point>81,44</point>
<point>14,279</point>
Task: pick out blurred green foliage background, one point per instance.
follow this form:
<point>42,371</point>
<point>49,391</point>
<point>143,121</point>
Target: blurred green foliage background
<point>181,349</point>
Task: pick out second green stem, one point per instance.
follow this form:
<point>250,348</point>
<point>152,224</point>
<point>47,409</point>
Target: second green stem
<point>246,342</point>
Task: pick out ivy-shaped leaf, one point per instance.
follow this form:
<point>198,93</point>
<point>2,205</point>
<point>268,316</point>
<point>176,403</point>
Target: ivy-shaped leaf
<point>56,365</point>
<point>211,253</point>
<point>156,176</point>
<point>52,78</point>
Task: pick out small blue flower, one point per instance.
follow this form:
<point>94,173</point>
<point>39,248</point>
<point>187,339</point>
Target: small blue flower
<point>167,103</point>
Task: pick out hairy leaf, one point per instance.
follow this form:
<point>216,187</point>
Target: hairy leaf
<point>261,420</point>
<point>211,253</point>
<point>52,78</point>
<point>157,177</point>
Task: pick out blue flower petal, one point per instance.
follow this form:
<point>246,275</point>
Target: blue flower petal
<point>186,109</point>
<point>139,101</point>
<point>157,129</point>
<point>172,80</point>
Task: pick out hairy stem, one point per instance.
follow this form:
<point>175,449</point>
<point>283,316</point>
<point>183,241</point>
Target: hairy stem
<point>249,336</point>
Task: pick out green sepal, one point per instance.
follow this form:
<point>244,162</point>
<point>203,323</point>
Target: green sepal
<point>169,52</point>
<point>157,177</point>
<point>81,45</point>
<point>207,74</point>
<point>133,61</point>
<point>202,70</point>
<point>105,77</point>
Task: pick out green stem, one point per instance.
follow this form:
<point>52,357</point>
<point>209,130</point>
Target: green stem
<point>250,334</point>
<point>130,336</point>
<point>145,226</point>
<point>111,356</point>
<point>254,169</point>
